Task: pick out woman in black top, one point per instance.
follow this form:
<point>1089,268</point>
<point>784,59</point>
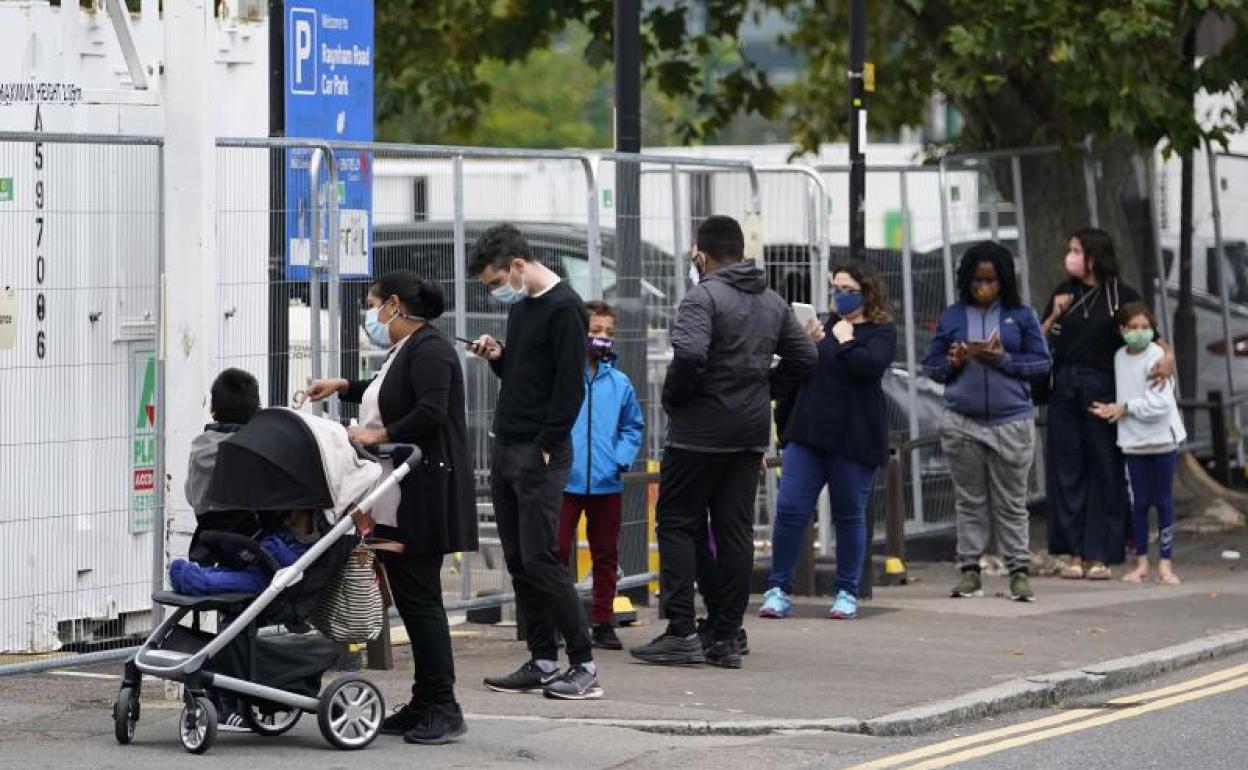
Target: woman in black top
<point>836,434</point>
<point>1086,476</point>
<point>418,398</point>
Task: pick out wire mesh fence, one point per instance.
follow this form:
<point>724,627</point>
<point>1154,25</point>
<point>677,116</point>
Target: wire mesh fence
<point>80,462</point>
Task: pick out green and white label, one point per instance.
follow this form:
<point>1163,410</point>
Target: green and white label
<point>6,189</point>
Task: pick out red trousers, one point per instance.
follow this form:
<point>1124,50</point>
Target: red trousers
<point>602,526</point>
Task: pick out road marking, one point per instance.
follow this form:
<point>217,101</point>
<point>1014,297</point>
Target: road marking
<point>1057,724</point>
<point>971,740</point>
<point>1068,729</point>
<point>1181,687</point>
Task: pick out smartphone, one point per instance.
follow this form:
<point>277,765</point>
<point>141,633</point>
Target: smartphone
<point>804,313</point>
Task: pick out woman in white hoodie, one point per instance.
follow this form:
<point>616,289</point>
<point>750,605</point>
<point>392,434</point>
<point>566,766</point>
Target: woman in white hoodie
<point>1150,432</point>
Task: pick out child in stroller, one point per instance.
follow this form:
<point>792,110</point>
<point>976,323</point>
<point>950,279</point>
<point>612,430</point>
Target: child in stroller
<point>285,544</point>
<point>280,461</point>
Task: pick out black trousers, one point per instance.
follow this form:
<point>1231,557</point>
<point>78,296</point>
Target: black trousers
<point>1087,480</point>
<point>416,583</point>
<point>695,487</point>
<point>527,496</point>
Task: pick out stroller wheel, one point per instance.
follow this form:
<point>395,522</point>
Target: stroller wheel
<point>270,723</point>
<point>198,725</point>
<point>125,715</point>
<point>351,712</point>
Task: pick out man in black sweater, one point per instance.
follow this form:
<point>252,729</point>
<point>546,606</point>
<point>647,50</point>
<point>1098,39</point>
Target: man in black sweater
<point>542,373</point>
<point>718,395</point>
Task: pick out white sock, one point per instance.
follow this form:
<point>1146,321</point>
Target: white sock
<point>547,666</point>
<point>591,667</point>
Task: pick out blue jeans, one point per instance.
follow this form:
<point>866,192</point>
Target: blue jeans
<point>805,472</point>
<point>1152,486</point>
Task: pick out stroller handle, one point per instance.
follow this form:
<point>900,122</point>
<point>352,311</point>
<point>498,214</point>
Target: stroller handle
<point>400,454</point>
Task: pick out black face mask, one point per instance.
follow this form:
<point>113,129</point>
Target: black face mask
<point>600,348</point>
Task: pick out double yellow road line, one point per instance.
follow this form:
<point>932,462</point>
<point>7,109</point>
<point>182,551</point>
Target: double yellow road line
<point>952,752</point>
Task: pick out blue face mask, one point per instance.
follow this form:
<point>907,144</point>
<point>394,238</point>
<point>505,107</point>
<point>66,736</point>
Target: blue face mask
<point>508,294</point>
<point>378,333</point>
<point>847,304</point>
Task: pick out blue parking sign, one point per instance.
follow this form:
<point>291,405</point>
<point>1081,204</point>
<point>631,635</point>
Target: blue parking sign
<point>329,95</point>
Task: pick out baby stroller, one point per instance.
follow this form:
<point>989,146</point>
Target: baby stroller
<point>281,460</point>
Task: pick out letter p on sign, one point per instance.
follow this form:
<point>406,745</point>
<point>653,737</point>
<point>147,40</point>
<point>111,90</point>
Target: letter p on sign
<point>302,42</point>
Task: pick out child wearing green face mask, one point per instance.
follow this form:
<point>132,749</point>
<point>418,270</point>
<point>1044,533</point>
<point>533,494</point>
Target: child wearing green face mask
<point>1150,432</point>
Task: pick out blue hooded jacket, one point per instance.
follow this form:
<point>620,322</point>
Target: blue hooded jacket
<point>990,394</point>
<point>607,435</point>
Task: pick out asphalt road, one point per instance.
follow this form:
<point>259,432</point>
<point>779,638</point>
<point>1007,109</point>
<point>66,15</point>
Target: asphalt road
<point>1195,719</point>
<point>1192,719</point>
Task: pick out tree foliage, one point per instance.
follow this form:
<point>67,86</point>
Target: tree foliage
<point>1020,71</point>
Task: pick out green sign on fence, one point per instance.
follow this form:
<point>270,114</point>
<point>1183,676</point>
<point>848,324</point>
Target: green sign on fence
<point>6,189</point>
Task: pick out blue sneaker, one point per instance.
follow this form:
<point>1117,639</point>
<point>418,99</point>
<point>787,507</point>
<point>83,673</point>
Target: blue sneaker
<point>776,604</point>
<point>845,607</point>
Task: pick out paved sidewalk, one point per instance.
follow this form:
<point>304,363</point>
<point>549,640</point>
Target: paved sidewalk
<point>913,646</point>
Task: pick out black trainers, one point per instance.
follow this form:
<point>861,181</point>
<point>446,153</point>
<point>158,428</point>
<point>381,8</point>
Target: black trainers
<point>577,683</point>
<point>605,638</point>
<point>708,637</point>
<point>439,725</point>
<point>524,679</point>
<point>404,718</point>
<point>725,653</point>
<point>668,650</point>
<point>232,721</point>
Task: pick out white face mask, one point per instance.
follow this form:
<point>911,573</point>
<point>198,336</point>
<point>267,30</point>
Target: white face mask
<point>694,276</point>
<point>508,294</point>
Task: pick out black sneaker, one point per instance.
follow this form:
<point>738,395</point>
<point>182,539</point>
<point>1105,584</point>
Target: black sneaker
<point>232,721</point>
<point>708,637</point>
<point>668,650</point>
<point>725,653</point>
<point>524,679</point>
<point>404,718</point>
<point>605,638</point>
<point>577,683</point>
<point>440,725</point>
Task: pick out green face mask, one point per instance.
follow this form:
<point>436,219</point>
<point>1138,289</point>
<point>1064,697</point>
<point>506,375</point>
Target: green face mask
<point>1138,339</point>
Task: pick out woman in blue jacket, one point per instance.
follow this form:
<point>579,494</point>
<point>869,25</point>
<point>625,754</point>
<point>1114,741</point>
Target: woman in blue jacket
<point>605,441</point>
<point>988,347</point>
<point>836,434</point>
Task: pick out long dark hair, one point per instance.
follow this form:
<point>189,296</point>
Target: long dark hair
<point>1002,261</point>
<point>420,296</point>
<point>1099,247</point>
<point>874,291</point>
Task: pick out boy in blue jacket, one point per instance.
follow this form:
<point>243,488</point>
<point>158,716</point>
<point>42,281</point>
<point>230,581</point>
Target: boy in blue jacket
<point>605,440</point>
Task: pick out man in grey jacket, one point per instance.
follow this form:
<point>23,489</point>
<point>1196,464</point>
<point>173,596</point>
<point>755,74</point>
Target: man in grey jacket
<point>718,393</point>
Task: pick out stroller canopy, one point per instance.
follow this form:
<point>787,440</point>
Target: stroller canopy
<point>284,460</point>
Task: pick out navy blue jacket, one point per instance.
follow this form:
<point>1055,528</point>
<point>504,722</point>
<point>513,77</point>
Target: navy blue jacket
<point>841,407</point>
<point>991,394</point>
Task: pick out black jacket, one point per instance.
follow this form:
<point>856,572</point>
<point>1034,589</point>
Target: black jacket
<point>721,381</point>
<point>841,407</point>
<point>422,403</point>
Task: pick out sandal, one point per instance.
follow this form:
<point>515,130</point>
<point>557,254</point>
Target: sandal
<point>1169,580</point>
<point>1099,572</point>
<point>1072,572</point>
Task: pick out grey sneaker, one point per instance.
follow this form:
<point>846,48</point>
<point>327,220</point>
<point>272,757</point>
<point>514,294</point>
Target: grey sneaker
<point>527,678</point>
<point>1020,588</point>
<point>578,683</point>
<point>969,586</point>
<point>668,650</point>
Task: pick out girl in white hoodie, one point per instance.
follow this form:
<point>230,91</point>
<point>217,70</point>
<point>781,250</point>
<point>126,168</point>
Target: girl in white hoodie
<point>1150,432</point>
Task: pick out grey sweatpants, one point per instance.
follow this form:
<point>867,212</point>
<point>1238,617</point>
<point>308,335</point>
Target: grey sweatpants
<point>990,466</point>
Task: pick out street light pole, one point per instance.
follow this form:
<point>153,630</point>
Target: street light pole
<point>631,337</point>
<point>857,127</point>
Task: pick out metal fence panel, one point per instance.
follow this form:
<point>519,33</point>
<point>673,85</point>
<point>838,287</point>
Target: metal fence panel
<point>80,514</point>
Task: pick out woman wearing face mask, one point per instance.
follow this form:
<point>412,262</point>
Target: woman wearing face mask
<point>987,348</point>
<point>836,434</point>
<point>1086,481</point>
<point>418,398</point>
